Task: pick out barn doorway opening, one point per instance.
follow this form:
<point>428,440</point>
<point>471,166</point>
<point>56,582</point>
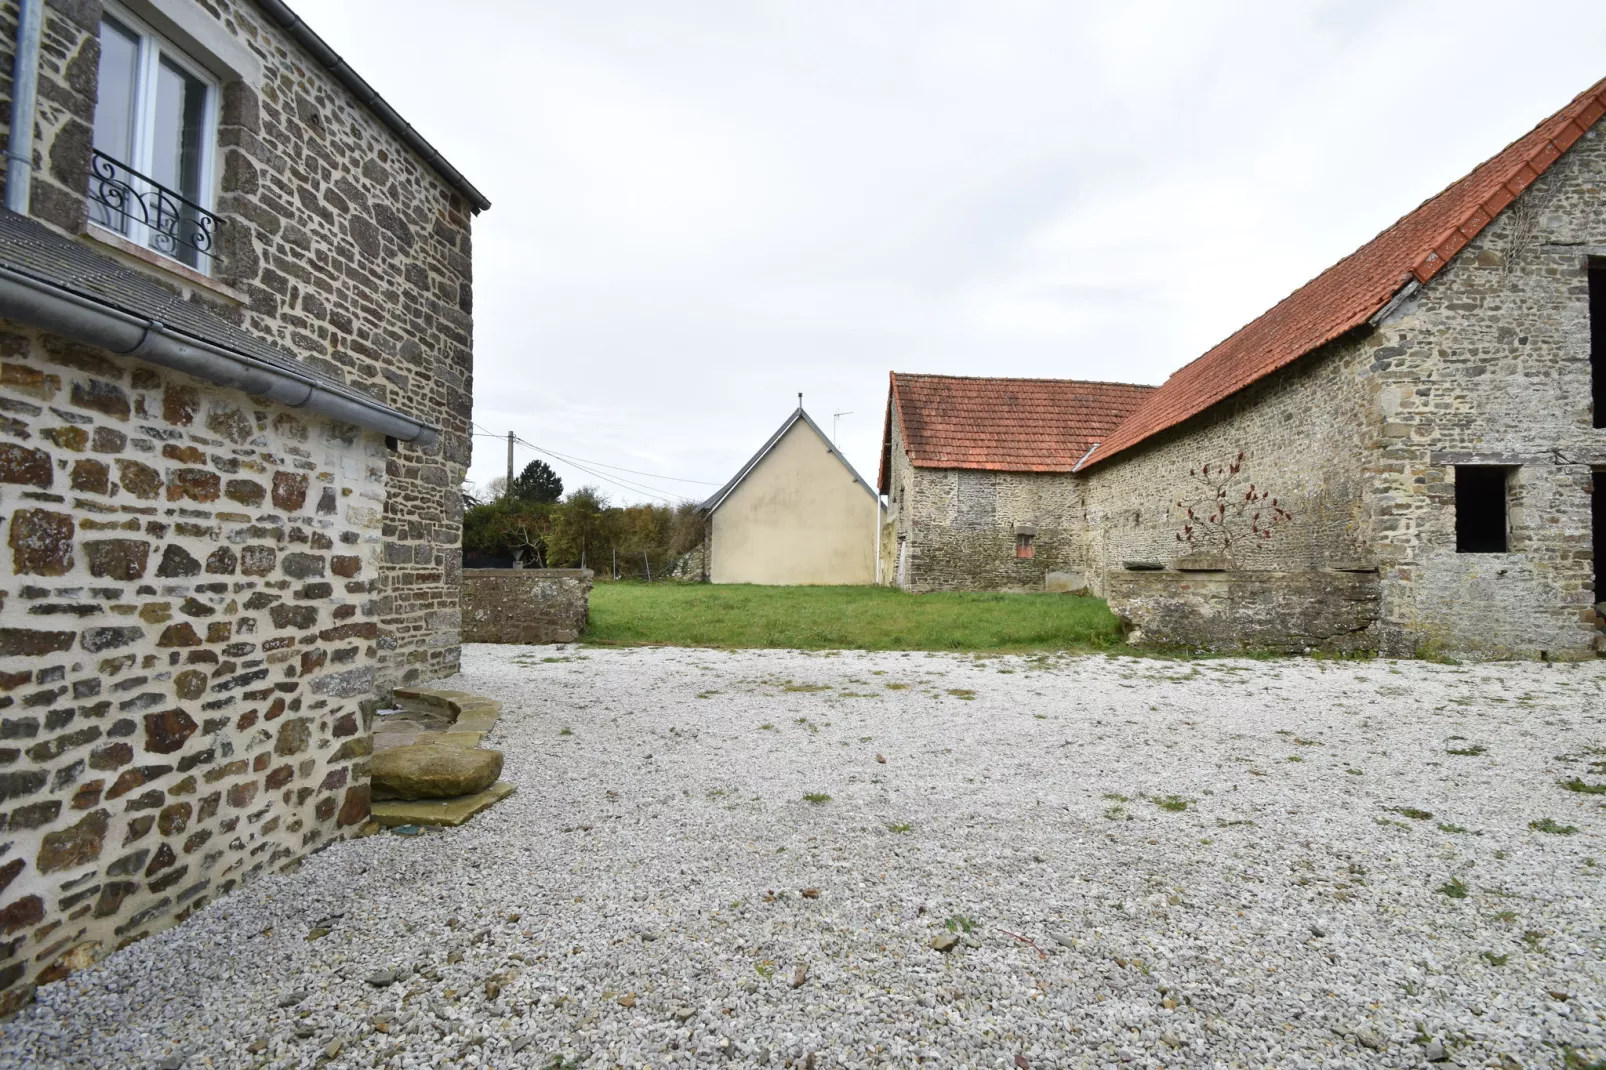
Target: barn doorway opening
<point>1597,509</point>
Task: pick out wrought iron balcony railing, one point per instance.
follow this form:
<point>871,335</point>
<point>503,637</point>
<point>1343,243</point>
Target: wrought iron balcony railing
<point>146,211</point>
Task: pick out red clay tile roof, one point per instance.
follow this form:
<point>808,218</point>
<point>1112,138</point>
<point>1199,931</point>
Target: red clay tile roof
<point>1003,425</point>
<point>1351,292</point>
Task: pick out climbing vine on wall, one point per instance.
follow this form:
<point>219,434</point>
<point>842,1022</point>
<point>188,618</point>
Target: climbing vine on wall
<point>1223,512</point>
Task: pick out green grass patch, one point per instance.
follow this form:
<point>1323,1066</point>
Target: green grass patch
<point>1469,752</point>
<point>1546,824</point>
<point>1174,803</point>
<point>816,797</point>
<point>1575,784</point>
<point>845,618</point>
<point>1454,888</point>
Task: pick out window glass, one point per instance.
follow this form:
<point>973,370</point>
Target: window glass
<point>114,112</point>
<point>180,118</point>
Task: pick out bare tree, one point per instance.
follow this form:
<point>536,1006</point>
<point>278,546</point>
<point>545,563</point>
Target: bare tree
<point>1223,512</point>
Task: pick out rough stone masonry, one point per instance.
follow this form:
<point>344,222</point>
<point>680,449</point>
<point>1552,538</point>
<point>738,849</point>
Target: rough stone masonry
<point>202,592</point>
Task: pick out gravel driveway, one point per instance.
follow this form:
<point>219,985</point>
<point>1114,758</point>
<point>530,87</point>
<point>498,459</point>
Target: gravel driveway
<point>1138,863</point>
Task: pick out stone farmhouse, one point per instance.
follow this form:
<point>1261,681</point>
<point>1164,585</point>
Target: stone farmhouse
<point>235,385</point>
<point>1428,415</point>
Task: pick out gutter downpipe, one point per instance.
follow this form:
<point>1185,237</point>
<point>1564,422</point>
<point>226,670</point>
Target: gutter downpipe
<point>24,99</point>
<point>63,312</point>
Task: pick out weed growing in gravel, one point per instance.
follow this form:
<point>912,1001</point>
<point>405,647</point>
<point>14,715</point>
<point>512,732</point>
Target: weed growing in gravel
<point>900,827</point>
<point>1295,758</point>
<point>1455,889</point>
<point>1492,959</point>
<point>962,693</point>
<point>1534,939</point>
<point>1411,812</point>
<point>1445,826</point>
<point>1411,988</point>
<point>958,923</point>
<point>804,688</point>
<point>897,687</point>
<point>1174,803</point>
<point>1354,772</point>
<point>1576,784</point>
<point>765,968</point>
<point>1507,916</point>
<point>707,694</point>
<point>1307,742</point>
<point>816,797</point>
<point>565,731</point>
<point>1469,752</point>
<point>806,723</point>
<point>1575,1060</point>
<point>766,727</point>
<point>1546,824</point>
<point>1115,796</point>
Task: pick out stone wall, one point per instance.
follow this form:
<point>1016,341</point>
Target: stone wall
<point>1489,363</point>
<point>960,527</point>
<point>338,243</point>
<point>189,619</point>
<point>1228,611</point>
<point>525,605</point>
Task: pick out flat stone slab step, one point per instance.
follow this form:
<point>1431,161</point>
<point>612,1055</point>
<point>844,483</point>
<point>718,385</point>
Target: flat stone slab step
<point>448,812</point>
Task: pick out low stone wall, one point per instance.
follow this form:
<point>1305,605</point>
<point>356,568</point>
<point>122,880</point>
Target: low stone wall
<point>525,605</point>
<point>1223,611</point>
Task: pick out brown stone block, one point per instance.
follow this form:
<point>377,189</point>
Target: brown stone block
<point>138,827</point>
<point>163,858</point>
<point>275,708</point>
<point>180,634</point>
<point>243,794</point>
<point>156,612</point>
<point>196,484</point>
<point>174,819</point>
<point>23,642</point>
<point>9,871</point>
<point>294,737</point>
<point>248,492</point>
<point>184,454</point>
<point>219,631</point>
<point>26,379</point>
<point>112,895</point>
<point>41,542</point>
<point>140,480</point>
<point>354,810</point>
<point>166,732</point>
<point>247,719</point>
<point>280,777</point>
<point>345,565</point>
<point>29,910</point>
<point>117,559</point>
<point>289,491</point>
<point>325,809</point>
<point>90,476</point>
<point>102,397</point>
<point>87,797</point>
<point>346,725</point>
<point>222,562</point>
<point>111,756</point>
<point>34,815</point>
<point>136,778</point>
<point>190,684</point>
<point>354,630</point>
<point>68,438</point>
<point>75,846</point>
<point>11,680</point>
<point>260,762</point>
<point>180,404</point>
<point>197,840</point>
<point>19,464</point>
<point>298,617</point>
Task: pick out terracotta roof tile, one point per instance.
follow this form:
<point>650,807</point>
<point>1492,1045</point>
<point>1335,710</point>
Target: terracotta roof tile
<point>1351,292</point>
<point>1003,425</point>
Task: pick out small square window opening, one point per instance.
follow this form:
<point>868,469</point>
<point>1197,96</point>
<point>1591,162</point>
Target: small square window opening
<point>1023,546</point>
<point>1481,524</point>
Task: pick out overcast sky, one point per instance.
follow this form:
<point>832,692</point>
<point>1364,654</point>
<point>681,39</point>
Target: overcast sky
<point>702,208</point>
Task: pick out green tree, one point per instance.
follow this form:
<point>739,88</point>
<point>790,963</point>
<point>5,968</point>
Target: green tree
<point>579,529</point>
<point>537,483</point>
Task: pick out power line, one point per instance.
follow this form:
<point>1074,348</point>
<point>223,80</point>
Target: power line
<point>600,464</point>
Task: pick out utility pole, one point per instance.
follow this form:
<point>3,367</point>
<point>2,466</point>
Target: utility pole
<point>507,491</point>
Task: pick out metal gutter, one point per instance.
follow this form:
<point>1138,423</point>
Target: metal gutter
<point>291,23</point>
<point>24,97</point>
<point>61,311</point>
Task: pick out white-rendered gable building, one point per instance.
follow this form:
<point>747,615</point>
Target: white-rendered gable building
<point>797,513</point>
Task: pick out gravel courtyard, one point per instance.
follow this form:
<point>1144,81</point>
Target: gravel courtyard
<point>743,858</point>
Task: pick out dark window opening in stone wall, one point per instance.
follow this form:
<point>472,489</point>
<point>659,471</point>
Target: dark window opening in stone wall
<point>1023,547</point>
<point>1480,509</point>
<point>1597,340</point>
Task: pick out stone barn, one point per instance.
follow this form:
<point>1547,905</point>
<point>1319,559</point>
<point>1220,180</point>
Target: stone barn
<point>1404,455</point>
<point>978,474</point>
<point>796,513</point>
<point>235,383</point>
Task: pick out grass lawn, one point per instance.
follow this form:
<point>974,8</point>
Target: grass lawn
<point>850,618</point>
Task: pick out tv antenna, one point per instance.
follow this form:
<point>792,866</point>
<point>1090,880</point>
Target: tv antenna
<point>835,416</point>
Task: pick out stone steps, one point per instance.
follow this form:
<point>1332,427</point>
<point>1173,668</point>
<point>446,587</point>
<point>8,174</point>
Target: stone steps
<point>444,718</point>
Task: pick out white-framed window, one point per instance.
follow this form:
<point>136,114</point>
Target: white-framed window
<point>155,136</point>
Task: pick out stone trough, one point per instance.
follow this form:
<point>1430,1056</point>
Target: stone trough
<point>428,767</point>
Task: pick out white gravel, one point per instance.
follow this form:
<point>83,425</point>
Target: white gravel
<point>660,843</point>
